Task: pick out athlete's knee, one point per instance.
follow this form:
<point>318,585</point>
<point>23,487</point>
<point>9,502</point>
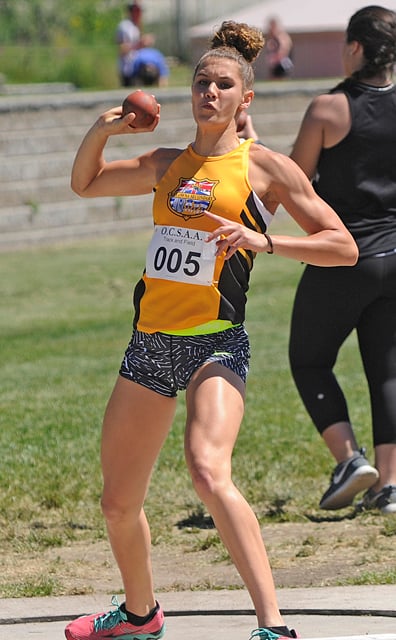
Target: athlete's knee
<point>207,479</point>
<point>299,371</point>
<point>297,357</point>
<point>115,509</point>
<point>112,509</point>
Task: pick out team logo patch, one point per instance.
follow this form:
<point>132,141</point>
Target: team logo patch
<point>192,198</point>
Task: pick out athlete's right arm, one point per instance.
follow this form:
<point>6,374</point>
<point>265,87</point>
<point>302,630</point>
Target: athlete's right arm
<point>92,176</point>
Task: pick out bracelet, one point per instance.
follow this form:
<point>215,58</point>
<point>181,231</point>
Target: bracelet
<point>270,243</point>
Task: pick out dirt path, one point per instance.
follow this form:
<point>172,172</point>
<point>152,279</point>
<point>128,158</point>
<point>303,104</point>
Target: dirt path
<point>302,554</point>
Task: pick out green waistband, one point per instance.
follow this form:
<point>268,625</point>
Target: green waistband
<point>214,326</point>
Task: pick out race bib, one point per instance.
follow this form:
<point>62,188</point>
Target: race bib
<point>181,255</point>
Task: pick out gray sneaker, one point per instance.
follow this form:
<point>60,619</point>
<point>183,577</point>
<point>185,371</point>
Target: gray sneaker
<point>349,478</point>
<point>384,500</point>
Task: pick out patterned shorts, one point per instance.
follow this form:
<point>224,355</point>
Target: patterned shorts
<point>165,363</point>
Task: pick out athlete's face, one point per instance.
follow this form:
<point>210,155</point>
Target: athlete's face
<point>217,91</point>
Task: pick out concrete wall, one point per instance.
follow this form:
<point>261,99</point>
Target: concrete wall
<point>40,133</point>
<point>317,54</point>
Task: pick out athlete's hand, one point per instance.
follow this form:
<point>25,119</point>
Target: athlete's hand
<point>113,123</point>
<point>231,236</point>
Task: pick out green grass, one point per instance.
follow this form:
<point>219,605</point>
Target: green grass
<point>371,577</point>
<point>65,320</point>
<point>77,64</point>
<point>43,586</point>
<point>73,42</point>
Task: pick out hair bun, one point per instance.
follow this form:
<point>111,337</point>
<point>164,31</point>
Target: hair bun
<point>247,40</point>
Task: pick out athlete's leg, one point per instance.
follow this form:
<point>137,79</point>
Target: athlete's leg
<point>325,312</point>
<point>385,463</point>
<point>215,405</point>
<point>377,342</point>
<point>340,440</point>
<point>135,426</point>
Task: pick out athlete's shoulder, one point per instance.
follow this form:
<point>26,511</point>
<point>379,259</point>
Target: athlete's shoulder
<point>162,158</point>
<point>167,153</point>
<point>267,169</point>
<point>324,106</point>
<point>267,158</point>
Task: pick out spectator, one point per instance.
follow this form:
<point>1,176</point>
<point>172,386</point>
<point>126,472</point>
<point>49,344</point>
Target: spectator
<point>149,66</point>
<point>278,47</point>
<point>128,41</point>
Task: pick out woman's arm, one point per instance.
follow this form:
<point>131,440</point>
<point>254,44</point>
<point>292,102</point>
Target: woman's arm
<point>327,241</point>
<point>92,176</point>
<point>325,123</point>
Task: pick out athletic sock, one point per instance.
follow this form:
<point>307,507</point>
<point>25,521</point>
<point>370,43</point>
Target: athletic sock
<point>139,621</point>
<point>282,631</point>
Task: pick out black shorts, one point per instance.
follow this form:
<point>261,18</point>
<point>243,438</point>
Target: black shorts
<point>165,363</point>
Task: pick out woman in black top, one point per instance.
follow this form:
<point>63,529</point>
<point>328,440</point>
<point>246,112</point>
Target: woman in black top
<point>347,145</point>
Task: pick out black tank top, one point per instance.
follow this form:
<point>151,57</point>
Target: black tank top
<point>357,176</point>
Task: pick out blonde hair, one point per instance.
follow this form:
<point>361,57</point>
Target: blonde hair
<point>236,41</point>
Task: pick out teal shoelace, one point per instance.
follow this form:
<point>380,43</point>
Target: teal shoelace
<point>264,634</point>
<point>111,619</point>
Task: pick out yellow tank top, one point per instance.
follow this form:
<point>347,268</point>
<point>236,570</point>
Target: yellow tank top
<point>184,285</point>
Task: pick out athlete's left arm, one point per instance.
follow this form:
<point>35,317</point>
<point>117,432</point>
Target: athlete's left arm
<point>278,180</point>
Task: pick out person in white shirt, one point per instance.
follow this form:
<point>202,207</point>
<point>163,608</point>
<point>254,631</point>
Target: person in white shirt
<point>128,38</point>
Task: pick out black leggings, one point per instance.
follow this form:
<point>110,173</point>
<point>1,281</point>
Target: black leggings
<point>330,302</point>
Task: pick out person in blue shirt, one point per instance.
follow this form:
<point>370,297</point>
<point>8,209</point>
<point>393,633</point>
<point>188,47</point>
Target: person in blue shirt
<point>149,66</point>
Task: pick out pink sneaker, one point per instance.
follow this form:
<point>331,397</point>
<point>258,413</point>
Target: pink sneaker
<point>114,624</point>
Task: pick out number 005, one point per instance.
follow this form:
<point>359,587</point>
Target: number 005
<point>173,261</point>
